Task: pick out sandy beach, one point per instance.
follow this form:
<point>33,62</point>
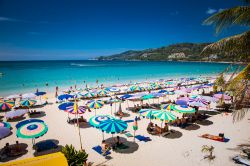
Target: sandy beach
<point>184,147</point>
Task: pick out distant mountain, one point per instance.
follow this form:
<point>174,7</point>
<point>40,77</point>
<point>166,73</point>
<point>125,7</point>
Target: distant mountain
<point>175,52</point>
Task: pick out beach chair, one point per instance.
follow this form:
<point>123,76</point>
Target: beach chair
<point>128,134</point>
<point>98,149</point>
<point>215,138</point>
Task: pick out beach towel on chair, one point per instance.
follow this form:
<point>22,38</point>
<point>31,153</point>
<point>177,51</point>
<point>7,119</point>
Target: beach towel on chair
<point>215,138</point>
<point>98,149</point>
<point>128,134</point>
<point>142,138</point>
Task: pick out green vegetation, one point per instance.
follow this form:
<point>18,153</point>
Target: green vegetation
<point>74,157</point>
<point>236,47</point>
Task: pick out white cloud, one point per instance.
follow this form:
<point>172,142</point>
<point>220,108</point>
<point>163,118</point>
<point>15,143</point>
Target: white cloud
<point>6,19</point>
<point>211,11</point>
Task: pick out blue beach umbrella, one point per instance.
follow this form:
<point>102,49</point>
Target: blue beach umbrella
<point>113,126</point>
<point>40,93</point>
<point>65,96</point>
<point>64,106</point>
<point>96,120</point>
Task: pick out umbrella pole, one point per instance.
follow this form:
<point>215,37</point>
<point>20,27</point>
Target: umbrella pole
<point>95,112</point>
<point>79,133</point>
<point>111,109</point>
<point>102,135</point>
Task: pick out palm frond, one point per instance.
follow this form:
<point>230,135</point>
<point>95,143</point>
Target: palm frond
<point>234,16</point>
<point>235,46</point>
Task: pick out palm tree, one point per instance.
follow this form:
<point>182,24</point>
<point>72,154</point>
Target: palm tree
<point>210,150</point>
<point>236,47</point>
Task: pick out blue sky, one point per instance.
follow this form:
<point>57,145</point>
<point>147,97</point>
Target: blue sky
<point>51,29</point>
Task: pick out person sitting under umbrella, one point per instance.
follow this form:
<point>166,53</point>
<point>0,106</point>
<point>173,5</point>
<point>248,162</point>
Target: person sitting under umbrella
<point>105,147</point>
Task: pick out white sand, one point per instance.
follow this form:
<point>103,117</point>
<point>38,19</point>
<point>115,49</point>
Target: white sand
<point>185,150</point>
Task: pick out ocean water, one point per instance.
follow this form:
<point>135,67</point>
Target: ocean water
<point>27,76</point>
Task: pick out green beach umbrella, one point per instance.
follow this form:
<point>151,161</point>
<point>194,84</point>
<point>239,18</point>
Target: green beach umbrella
<point>103,92</point>
<point>184,109</point>
<point>31,129</point>
<point>169,107</point>
<point>164,115</point>
<point>148,113</point>
<point>148,96</point>
<point>113,126</point>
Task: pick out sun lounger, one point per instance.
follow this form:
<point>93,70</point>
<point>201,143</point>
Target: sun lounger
<point>215,138</point>
<point>45,145</point>
<point>240,160</point>
<point>128,134</point>
<point>98,149</point>
<point>129,121</point>
<point>142,138</point>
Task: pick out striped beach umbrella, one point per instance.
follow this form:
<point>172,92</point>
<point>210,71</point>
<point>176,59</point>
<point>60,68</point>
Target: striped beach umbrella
<point>164,115</point>
<point>95,104</point>
<point>5,124</point>
<point>184,109</point>
<point>103,92</point>
<point>147,96</point>
<point>198,102</point>
<point>169,107</point>
<point>148,113</point>
<point>113,126</point>
<point>27,103</point>
<point>6,105</point>
<point>72,110</point>
<point>136,88</point>
<point>96,120</point>
<point>89,94</point>
<point>221,96</point>
<point>32,128</point>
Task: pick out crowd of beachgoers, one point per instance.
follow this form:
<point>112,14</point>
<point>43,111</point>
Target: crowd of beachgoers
<point>154,112</point>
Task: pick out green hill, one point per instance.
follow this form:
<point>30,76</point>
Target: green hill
<point>179,52</point>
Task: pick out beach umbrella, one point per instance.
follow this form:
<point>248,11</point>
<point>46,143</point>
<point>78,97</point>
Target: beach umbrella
<point>163,91</point>
<point>221,96</point>
<point>164,115</point>
<point>209,99</point>
<point>147,96</point>
<point>40,93</point>
<point>65,97</point>
<point>114,100</point>
<point>102,92</point>
<point>31,129</point>
<point>6,105</point>
<point>76,110</point>
<point>148,113</point>
<point>89,94</point>
<point>96,120</point>
<point>28,96</point>
<point>27,103</point>
<point>180,92</point>
<point>126,96</point>
<point>184,109</point>
<point>181,102</point>
<point>15,96</point>
<point>5,124</point>
<point>198,102</point>
<point>113,126</point>
<point>169,107</point>
<point>4,132</point>
<point>72,110</point>
<point>170,93</point>
<point>15,114</point>
<point>113,89</point>
<point>184,99</point>
<point>64,106</point>
<point>95,104</point>
<point>66,91</point>
<point>136,88</point>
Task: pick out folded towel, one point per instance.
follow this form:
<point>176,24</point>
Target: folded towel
<point>98,149</point>
<point>142,138</point>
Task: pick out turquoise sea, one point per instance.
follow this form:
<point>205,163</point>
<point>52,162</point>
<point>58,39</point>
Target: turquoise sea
<point>27,76</point>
